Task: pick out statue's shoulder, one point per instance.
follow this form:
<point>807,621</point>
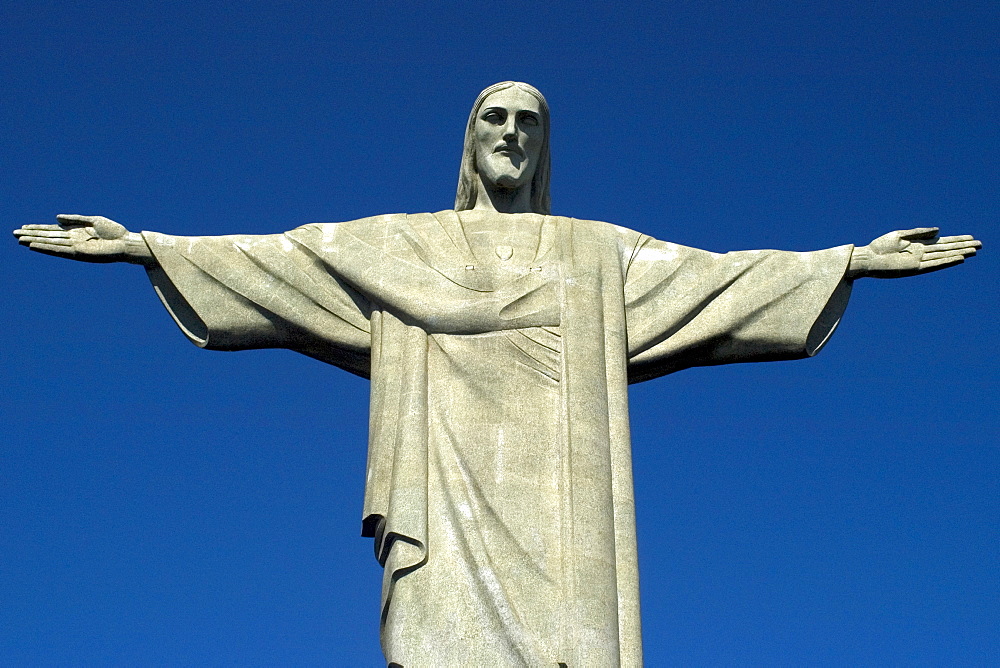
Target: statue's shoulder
<point>602,230</point>
<point>368,222</point>
<point>362,227</point>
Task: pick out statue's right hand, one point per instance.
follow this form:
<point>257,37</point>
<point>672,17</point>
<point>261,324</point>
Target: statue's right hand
<point>85,238</point>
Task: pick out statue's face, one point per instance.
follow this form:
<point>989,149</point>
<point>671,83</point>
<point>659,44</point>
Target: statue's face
<point>509,136</point>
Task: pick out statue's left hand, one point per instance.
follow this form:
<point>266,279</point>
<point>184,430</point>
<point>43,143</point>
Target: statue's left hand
<point>911,252</point>
<point>86,238</point>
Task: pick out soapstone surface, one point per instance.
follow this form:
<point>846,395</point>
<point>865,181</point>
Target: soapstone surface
<point>500,340</point>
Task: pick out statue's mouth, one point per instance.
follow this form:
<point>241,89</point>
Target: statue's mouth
<point>509,148</point>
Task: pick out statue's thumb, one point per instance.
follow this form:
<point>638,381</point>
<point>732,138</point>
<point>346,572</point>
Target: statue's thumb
<point>109,229</point>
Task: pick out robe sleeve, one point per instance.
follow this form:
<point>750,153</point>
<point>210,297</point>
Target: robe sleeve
<point>243,292</point>
<point>687,307</point>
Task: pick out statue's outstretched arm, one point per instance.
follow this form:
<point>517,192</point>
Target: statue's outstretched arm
<point>88,239</point>
<point>910,252</point>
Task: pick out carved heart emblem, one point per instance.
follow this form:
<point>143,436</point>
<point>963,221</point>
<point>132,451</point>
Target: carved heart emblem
<point>505,252</point>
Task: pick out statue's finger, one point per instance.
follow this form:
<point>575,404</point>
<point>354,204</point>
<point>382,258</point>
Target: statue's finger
<point>57,233</point>
<point>52,249</point>
<point>975,243</point>
<point>29,238</point>
<point>956,245</point>
<point>27,241</point>
<point>960,237</point>
<point>919,233</point>
<point>967,252</point>
<point>57,242</point>
<point>960,246</point>
<point>76,220</point>
<point>38,227</point>
<point>941,263</point>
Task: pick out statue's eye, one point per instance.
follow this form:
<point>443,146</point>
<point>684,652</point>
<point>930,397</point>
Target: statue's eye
<point>529,119</point>
<point>493,117</point>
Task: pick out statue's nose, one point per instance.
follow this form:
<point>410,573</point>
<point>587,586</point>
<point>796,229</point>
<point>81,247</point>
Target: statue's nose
<point>510,129</point>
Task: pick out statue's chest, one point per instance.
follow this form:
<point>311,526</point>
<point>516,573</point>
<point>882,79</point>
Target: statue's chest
<point>484,252</point>
<point>512,248</point>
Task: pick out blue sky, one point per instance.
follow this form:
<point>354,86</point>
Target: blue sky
<point>161,505</point>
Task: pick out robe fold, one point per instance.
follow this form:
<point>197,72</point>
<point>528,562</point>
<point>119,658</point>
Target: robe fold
<point>499,482</point>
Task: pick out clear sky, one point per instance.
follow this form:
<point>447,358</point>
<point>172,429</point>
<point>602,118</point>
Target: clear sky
<point>162,505</point>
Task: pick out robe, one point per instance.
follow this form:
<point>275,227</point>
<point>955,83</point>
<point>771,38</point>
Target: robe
<point>499,483</point>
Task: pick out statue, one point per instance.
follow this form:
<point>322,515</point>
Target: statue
<point>500,340</point>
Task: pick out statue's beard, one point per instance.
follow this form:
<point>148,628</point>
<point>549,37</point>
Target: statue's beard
<point>511,172</point>
<point>508,181</point>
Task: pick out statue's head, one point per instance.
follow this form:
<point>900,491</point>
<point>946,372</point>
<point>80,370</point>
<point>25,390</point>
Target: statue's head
<point>507,144</point>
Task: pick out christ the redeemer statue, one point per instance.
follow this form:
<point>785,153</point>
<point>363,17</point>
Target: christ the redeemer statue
<point>500,341</point>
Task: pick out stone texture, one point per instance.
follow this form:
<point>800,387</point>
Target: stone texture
<point>500,341</point>
<point>499,486</point>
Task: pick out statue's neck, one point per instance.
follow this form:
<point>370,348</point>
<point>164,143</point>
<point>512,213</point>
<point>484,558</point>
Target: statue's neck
<point>503,200</point>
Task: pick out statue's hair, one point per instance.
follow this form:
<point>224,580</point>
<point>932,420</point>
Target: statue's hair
<point>468,173</point>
